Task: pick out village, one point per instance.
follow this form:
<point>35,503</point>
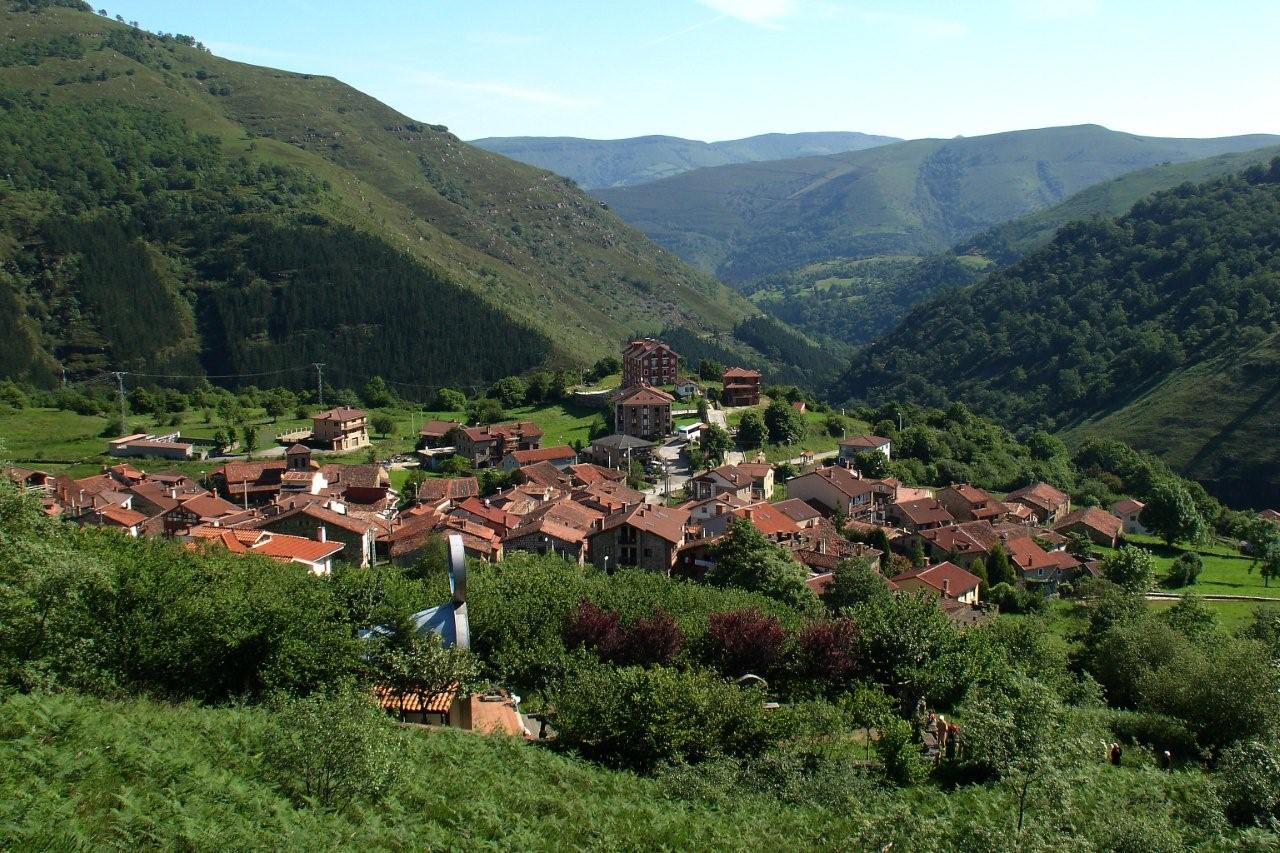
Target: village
<point>586,504</point>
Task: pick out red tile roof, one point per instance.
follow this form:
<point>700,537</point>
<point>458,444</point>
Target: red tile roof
<point>437,429</point>
<point>768,520</point>
<point>643,395</point>
<point>1127,506</point>
<point>870,442</point>
<point>1027,555</point>
<point>971,495</point>
<point>955,580</point>
<point>586,473</point>
<point>924,511</point>
<point>339,414</point>
<point>1094,518</point>
<point>1040,495</point>
<point>543,454</point>
<point>741,373</point>
<point>209,506</point>
<point>432,489</point>
<point>121,516</point>
<point>295,548</point>
<point>664,522</point>
<point>798,510</point>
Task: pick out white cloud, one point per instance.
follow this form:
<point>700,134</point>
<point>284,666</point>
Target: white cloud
<point>502,91</point>
<point>762,13</point>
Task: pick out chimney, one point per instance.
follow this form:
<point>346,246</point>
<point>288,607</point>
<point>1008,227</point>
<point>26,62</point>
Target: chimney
<point>173,492</point>
<point>822,546</point>
<point>320,534</point>
<point>946,586</point>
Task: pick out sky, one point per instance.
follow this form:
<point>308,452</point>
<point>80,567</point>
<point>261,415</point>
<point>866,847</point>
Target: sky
<point>724,69</point>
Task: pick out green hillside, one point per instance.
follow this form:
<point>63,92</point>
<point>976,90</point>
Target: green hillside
<point>169,211</point>
<point>598,163</point>
<point>1160,324</point>
<point>1007,243</point>
<point>910,198</point>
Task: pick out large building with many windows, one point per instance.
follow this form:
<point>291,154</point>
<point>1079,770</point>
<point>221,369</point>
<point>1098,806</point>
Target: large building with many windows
<point>649,361</point>
<point>643,412</point>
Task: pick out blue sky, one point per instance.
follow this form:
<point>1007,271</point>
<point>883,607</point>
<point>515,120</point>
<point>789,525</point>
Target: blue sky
<point>721,69</point>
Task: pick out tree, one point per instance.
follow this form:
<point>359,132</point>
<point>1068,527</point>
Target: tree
<point>871,464</point>
<point>1079,546</point>
<point>510,391</point>
<point>450,400</point>
<point>376,394</point>
<point>410,665</point>
<point>383,424</point>
<point>1015,731</point>
<point>999,567</point>
<point>785,424</point>
<point>710,370</point>
<point>1249,779</point>
<point>1132,569</point>
<point>918,557</point>
<point>745,559</point>
<point>1185,569</point>
<point>1270,563</point>
<point>485,411</point>
<point>1191,618</point>
<point>1171,514</point>
<point>827,651</point>
<point>906,644</point>
<point>835,425</point>
<point>715,444</point>
<point>606,366</point>
<point>277,402</point>
<point>853,582</point>
<point>751,430</point>
<point>978,568</point>
<point>249,435</point>
<point>332,749</point>
<point>651,640</point>
<point>743,642</point>
<point>704,410</point>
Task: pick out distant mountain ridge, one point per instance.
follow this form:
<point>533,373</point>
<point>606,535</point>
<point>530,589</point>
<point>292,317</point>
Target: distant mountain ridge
<point>600,163</point>
<point>910,198</point>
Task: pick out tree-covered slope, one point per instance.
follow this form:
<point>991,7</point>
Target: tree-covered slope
<point>1149,307</point>
<point>911,198</point>
<point>151,192</point>
<point>598,163</point>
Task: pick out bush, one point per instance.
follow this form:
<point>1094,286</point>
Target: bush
<point>745,642</point>
<point>1249,782</point>
<point>641,719</point>
<point>899,755</point>
<point>1185,569</point>
<point>827,652</point>
<point>1157,731</point>
<point>332,749</point>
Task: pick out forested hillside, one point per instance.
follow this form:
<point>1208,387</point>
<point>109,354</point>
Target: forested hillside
<point>169,211</point>
<point>1120,317</point>
<point>911,198</point>
<point>599,163</point>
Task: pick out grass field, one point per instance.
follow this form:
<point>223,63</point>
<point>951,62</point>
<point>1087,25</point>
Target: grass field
<point>1226,572</point>
<point>62,441</point>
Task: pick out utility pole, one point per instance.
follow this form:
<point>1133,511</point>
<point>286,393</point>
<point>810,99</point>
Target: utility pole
<point>319,366</point>
<point>120,384</point>
<point>64,376</point>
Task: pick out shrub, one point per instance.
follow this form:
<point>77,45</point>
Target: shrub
<point>651,640</point>
<point>1157,731</point>
<point>900,759</point>
<point>827,651</point>
<point>745,641</point>
<point>332,749</point>
<point>1185,569</point>
<point>1249,781</point>
<point>643,718</point>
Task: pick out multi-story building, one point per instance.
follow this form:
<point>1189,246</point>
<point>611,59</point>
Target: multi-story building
<point>643,412</point>
<point>741,387</point>
<point>490,444</point>
<point>649,361</point>
<point>343,428</point>
<point>646,537</point>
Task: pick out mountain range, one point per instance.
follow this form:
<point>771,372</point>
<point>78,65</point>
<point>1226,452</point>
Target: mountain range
<point>910,198</point>
<point>169,211</point>
<point>600,163</point>
<point>1160,327</point>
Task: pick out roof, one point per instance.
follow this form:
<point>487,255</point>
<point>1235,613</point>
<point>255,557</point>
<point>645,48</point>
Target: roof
<point>1095,518</point>
<point>664,522</point>
<point>543,454</point>
<point>295,548</point>
<point>296,449</point>
<point>924,511</point>
<point>1027,555</point>
<point>622,442</point>
<point>741,373</point>
<point>324,515</point>
<point>643,395</point>
<point>416,703</point>
<point>437,429</point>
<point>1040,495</point>
<point>545,474</point>
<point>491,514</point>
<point>847,482</point>
<point>547,526</point>
<point>818,583</point>
<point>456,488</point>
<point>867,441</point>
<point>368,475</point>
<point>340,413</point>
<point>1063,560</point>
<point>505,431</point>
<point>974,537</point>
<point>797,510</point>
<point>955,580</point>
<point>970,494</point>
<point>121,516</point>
<point>644,346</point>
<point>768,520</point>
<point>587,473</point>
<point>733,474</point>
<point>209,506</point>
<point>1128,506</point>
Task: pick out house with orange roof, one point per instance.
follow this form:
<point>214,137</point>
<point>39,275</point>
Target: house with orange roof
<point>853,445</point>
<point>488,444</point>
<point>741,387</point>
<point>1129,511</point>
<point>944,580</point>
<point>649,361</point>
<point>199,510</point>
<point>646,537</point>
<point>327,520</point>
<point>561,456</point>
<point>480,511</point>
<point>919,515</point>
<point>1100,526</point>
<point>341,428</point>
<point>315,554</point>
<point>842,490</point>
<point>724,480</point>
<point>126,520</point>
<point>970,503</point>
<point>1046,502</point>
